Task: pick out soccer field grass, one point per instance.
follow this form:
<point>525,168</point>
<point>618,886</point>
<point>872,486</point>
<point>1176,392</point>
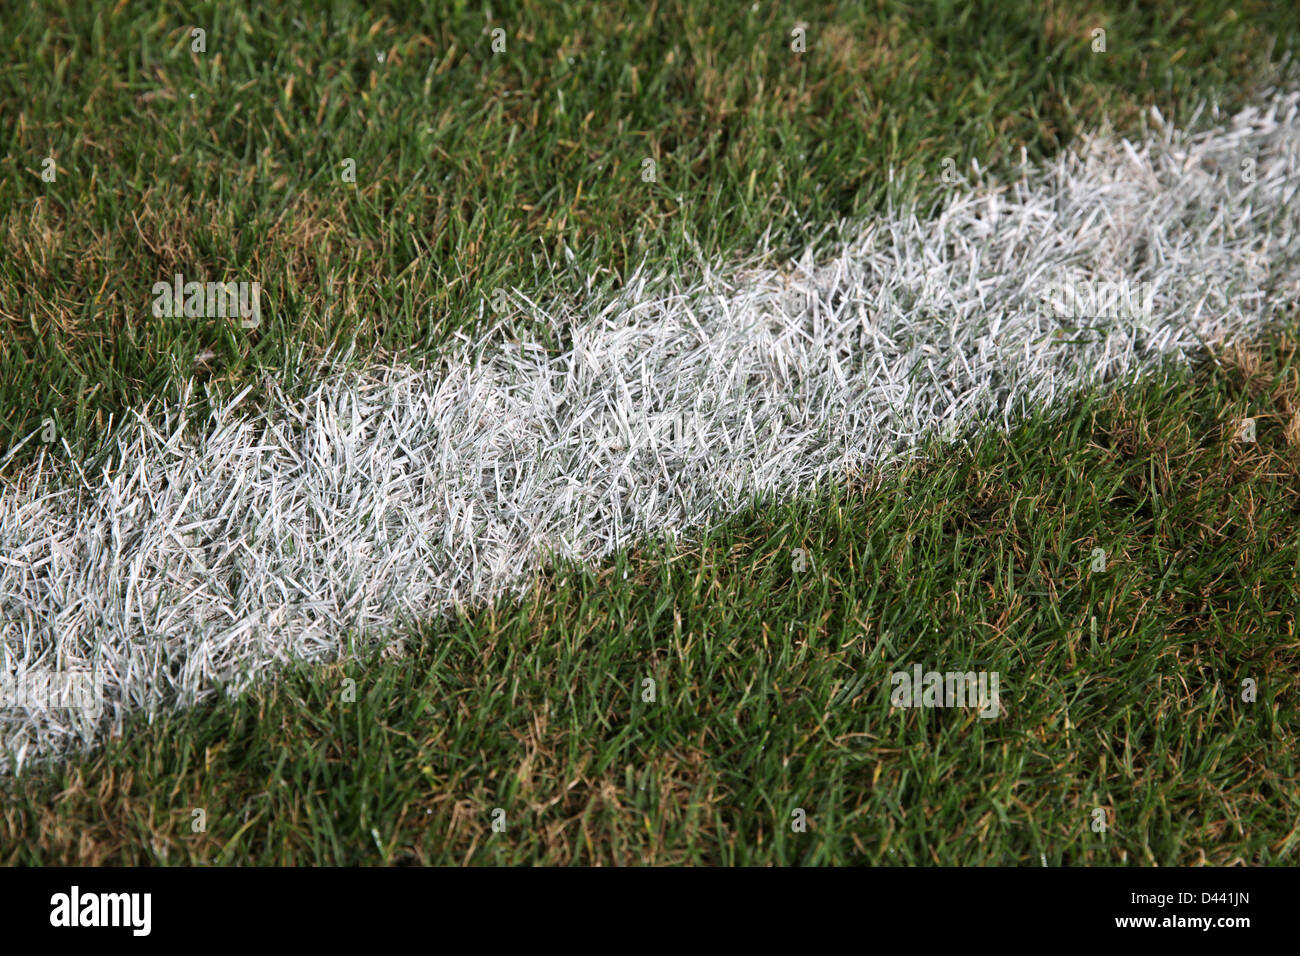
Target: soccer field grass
<point>433,520</point>
<point>1122,688</point>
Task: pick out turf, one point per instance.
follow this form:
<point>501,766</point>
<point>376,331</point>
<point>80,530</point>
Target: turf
<point>477,171</point>
<point>1122,687</point>
<point>204,548</point>
<point>523,170</point>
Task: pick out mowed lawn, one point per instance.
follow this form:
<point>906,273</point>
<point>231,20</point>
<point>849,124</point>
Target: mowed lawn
<point>381,171</point>
<point>696,700</point>
<point>681,702</point>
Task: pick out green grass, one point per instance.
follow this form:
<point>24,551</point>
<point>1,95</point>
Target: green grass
<point>474,171</point>
<point>1123,688</point>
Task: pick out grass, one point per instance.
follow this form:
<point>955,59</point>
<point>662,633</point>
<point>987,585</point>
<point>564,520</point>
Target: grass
<point>474,171</point>
<point>1123,688</point>
<point>477,171</point>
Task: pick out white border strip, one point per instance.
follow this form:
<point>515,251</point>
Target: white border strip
<point>215,553</point>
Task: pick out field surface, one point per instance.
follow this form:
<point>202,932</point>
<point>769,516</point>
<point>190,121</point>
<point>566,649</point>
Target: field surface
<point>636,395</point>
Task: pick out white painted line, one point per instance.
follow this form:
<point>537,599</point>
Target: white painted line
<point>217,550</point>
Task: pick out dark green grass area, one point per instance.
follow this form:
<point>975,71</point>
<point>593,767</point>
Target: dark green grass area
<point>476,170</point>
<point>1124,689</point>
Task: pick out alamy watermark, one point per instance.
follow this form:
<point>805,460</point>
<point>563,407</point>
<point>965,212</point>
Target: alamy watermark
<point>681,433</point>
<point>76,909</point>
<point>1073,298</point>
<point>208,300</point>
<point>41,689</point>
<point>921,688</point>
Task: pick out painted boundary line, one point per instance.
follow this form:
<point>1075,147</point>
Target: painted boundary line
<point>216,550</point>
